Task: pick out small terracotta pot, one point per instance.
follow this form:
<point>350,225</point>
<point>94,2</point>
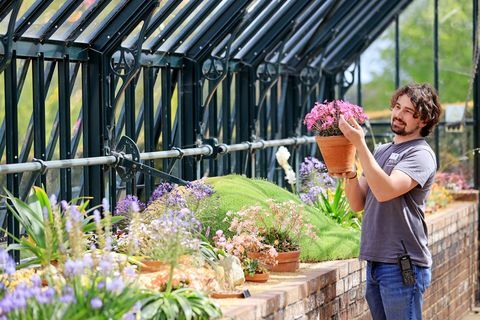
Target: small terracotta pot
<point>287,262</point>
<point>149,266</point>
<point>338,153</point>
<point>256,255</point>
<point>257,277</point>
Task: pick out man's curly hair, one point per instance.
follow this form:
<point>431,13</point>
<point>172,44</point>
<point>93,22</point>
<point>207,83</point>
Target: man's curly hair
<point>426,102</point>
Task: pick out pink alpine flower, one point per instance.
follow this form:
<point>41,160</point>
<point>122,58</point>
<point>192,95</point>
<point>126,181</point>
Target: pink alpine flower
<point>323,118</point>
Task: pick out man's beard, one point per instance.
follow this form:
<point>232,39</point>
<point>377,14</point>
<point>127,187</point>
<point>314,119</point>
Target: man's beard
<point>401,131</point>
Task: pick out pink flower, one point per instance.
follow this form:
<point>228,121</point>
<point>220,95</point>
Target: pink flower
<point>323,118</point>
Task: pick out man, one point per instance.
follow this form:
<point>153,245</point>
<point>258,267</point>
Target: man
<point>393,191</point>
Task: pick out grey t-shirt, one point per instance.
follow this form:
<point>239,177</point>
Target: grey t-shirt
<point>386,224</point>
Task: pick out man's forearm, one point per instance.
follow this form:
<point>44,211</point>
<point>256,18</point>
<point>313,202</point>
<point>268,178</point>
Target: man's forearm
<point>378,181</point>
<point>355,194</point>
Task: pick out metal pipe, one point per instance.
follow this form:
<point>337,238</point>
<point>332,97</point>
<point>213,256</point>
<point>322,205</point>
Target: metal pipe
<point>204,150</point>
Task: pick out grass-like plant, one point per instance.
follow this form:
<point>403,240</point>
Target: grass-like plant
<point>335,206</point>
<point>46,224</point>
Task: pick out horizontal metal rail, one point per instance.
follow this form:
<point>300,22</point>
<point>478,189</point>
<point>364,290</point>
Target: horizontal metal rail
<point>204,150</point>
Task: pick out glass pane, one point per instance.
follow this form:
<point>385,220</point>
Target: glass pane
<point>99,21</point>
<point>201,27</point>
<point>168,42</point>
<point>4,24</point>
<point>153,37</point>
<point>74,20</point>
<point>44,18</point>
<point>132,37</point>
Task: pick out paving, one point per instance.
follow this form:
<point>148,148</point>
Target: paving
<point>473,315</point>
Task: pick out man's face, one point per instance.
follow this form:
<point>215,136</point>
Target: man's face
<point>403,123</point>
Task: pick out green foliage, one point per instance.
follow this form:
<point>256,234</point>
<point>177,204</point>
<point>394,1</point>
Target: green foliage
<point>416,53</point>
<point>37,217</point>
<point>236,192</point>
<point>336,207</point>
<point>183,304</point>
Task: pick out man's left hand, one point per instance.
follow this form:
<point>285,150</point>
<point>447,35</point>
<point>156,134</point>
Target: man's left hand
<point>351,130</point>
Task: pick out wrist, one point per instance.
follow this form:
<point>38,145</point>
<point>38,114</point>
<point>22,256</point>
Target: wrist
<point>354,176</point>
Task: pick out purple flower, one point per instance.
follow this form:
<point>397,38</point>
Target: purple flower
<point>105,204</point>
<point>312,196</point>
<point>96,216</point>
<point>75,214</point>
<point>68,295</point>
<point>160,191</point>
<point>74,268</point>
<point>200,190</point>
<point>6,262</point>
<point>128,203</point>
<point>96,303</point>
<point>53,200</point>
<point>45,296</point>
<point>65,205</point>
<point>116,285</point>
<point>175,199</point>
<point>68,225</point>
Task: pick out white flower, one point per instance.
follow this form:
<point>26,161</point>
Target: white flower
<point>291,176</point>
<point>282,156</point>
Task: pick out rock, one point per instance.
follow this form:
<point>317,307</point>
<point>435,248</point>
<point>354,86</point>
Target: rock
<point>233,271</point>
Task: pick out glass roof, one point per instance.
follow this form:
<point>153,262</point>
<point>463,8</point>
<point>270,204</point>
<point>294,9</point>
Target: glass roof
<point>100,21</point>
<point>178,24</point>
<point>74,20</point>
<point>34,29</point>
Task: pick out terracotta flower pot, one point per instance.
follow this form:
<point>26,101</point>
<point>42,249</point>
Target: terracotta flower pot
<point>287,262</point>
<point>149,266</point>
<point>257,277</point>
<point>257,255</point>
<point>338,153</point>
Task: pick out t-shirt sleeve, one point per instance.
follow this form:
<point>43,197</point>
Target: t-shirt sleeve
<point>418,165</point>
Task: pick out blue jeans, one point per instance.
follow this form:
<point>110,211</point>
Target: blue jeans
<point>387,296</point>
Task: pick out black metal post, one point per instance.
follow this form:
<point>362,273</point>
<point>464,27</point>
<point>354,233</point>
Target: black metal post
<point>148,116</point>
<point>11,117</point>
<point>64,124</point>
<point>93,104</point>
<point>435,75</point>
<point>38,75</point>
<point>397,52</point>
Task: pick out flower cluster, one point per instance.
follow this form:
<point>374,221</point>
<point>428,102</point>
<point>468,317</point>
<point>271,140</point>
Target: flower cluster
<point>165,238</point>
<point>98,283</point>
<point>452,181</point>
<point>250,249</point>
<point>197,196</point>
<point>323,118</point>
<point>126,207</point>
<point>439,197</point>
<point>282,156</point>
<point>160,191</point>
<point>315,180</point>
<point>7,265</point>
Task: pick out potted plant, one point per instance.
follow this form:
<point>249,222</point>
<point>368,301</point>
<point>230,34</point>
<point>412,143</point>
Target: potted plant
<point>337,152</point>
<point>254,255</point>
<point>281,226</point>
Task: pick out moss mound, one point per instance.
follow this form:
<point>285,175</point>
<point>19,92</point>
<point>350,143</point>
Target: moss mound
<point>235,192</point>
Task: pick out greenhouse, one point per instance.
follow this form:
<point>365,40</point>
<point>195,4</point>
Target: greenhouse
<point>239,159</point>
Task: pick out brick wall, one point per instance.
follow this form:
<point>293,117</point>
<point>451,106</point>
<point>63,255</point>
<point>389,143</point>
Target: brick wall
<point>336,289</point>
